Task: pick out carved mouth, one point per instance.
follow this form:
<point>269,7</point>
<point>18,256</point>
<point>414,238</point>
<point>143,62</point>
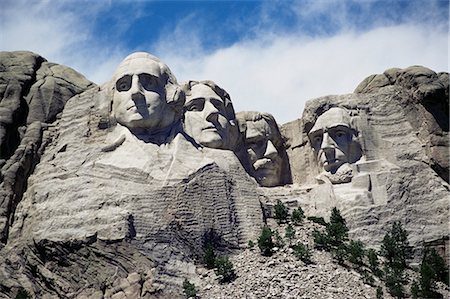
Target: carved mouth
<point>210,128</point>
<point>138,106</point>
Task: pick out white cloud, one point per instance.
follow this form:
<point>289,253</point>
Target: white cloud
<point>62,33</point>
<point>272,72</point>
<point>280,76</point>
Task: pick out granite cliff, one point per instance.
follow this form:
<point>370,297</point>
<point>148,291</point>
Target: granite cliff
<point>114,191</point>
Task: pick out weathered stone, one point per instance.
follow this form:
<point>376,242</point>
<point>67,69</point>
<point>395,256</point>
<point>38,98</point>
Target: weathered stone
<point>128,190</point>
<point>396,178</point>
<point>32,92</point>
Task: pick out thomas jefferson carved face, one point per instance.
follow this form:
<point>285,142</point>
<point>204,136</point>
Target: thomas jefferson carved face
<point>209,117</point>
<point>139,99</point>
<point>332,139</point>
<point>263,142</point>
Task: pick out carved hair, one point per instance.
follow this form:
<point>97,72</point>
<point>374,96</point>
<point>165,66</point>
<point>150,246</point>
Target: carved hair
<point>187,87</point>
<point>254,116</point>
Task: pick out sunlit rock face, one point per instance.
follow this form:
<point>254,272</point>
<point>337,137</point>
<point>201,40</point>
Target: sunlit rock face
<point>121,192</point>
<point>377,136</point>
<point>33,92</point>
<point>120,169</point>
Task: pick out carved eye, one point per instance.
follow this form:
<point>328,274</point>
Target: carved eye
<point>341,134</point>
<point>196,105</point>
<point>148,82</point>
<point>124,83</point>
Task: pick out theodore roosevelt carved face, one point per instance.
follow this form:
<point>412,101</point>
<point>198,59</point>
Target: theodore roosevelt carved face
<point>145,93</point>
<point>332,139</point>
<point>209,116</point>
<point>264,146</point>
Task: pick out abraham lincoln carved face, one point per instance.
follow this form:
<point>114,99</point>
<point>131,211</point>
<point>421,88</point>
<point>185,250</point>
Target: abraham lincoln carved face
<point>332,139</point>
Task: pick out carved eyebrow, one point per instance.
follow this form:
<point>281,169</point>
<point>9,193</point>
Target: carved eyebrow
<point>312,134</point>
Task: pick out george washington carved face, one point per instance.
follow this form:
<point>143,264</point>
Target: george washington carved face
<point>142,97</point>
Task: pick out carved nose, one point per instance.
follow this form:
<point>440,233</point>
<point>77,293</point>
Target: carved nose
<point>137,96</point>
<point>327,142</point>
<point>136,86</point>
<point>211,112</point>
<point>271,151</point>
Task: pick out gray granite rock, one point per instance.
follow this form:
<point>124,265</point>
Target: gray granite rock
<point>32,91</point>
<point>401,120</point>
<point>102,201</point>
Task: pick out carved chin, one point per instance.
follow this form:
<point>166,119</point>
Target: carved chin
<point>211,138</point>
<point>267,178</point>
<point>267,174</point>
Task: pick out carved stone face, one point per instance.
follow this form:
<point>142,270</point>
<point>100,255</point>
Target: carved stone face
<point>207,118</point>
<point>139,99</point>
<point>331,138</point>
<point>261,140</point>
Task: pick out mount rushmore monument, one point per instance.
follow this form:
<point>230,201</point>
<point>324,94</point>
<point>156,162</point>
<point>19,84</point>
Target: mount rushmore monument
<point>127,180</point>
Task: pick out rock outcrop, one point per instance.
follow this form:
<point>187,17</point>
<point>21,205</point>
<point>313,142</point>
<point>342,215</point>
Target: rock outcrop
<point>401,118</point>
<point>32,91</point>
<point>115,191</point>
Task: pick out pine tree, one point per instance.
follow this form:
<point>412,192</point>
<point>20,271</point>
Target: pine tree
<point>337,230</point>
<point>290,233</point>
<point>372,258</point>
<point>297,216</point>
<point>356,252</point>
<point>189,289</point>
<point>281,212</point>
<point>210,257</point>
<point>432,269</point>
<point>265,242</point>
<point>224,269</point>
<point>395,247</point>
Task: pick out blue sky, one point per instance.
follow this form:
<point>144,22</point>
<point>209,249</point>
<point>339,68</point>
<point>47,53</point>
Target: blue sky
<point>271,56</point>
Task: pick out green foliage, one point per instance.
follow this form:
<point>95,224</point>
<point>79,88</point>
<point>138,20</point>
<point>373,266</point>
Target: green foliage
<point>379,293</point>
<point>279,242</point>
<point>290,233</point>
<point>437,263</point>
<point>298,216</point>
<point>303,253</point>
<point>432,269</point>
<point>395,247</point>
<point>372,258</point>
<point>318,220</point>
<point>394,280</point>
<point>224,269</point>
<point>337,230</point>
<point>415,290</point>
<point>367,278</point>
<point>22,294</point>
<point>189,289</point>
<point>210,257</point>
<point>281,212</point>
<point>265,242</point>
<point>356,252</point>
<point>251,244</point>
<point>320,239</point>
<point>340,253</point>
